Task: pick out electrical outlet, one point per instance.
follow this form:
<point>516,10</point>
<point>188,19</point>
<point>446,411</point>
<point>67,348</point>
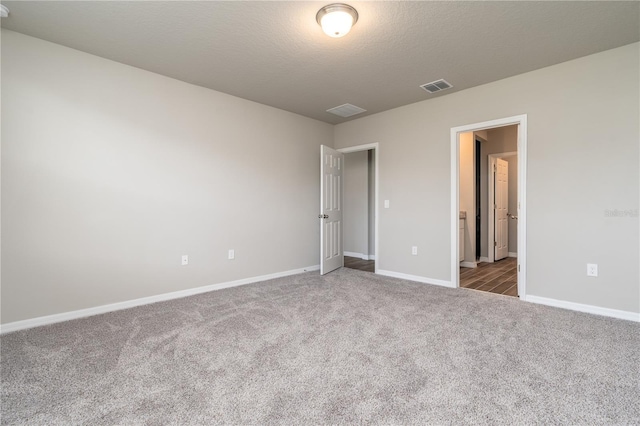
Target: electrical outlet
<point>232,254</point>
<point>185,259</point>
<point>414,250</point>
<point>592,270</point>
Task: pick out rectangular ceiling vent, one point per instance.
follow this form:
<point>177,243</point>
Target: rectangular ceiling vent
<point>346,110</point>
<point>436,86</point>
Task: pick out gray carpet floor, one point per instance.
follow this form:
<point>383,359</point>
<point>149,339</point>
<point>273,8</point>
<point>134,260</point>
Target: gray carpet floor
<point>349,347</point>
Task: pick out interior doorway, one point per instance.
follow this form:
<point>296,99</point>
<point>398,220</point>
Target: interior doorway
<point>360,211</point>
<point>488,206</point>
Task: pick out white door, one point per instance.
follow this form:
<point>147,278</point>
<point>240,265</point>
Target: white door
<point>501,203</point>
<point>331,167</point>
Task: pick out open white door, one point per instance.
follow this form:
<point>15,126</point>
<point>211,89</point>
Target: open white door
<point>331,167</point>
<point>501,217</point>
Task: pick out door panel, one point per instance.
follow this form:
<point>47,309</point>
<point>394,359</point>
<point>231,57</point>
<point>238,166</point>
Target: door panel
<point>331,169</point>
<point>501,195</point>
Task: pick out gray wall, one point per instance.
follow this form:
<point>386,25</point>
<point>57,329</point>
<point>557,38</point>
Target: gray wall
<point>513,202</point>
<point>356,203</point>
<point>111,173</point>
<point>582,161</point>
<point>502,139</point>
<point>372,203</point>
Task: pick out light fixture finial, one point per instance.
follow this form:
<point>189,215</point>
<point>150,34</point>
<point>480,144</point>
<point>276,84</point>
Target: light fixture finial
<point>337,19</point>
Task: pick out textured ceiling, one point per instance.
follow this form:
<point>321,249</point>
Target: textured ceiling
<point>276,54</point>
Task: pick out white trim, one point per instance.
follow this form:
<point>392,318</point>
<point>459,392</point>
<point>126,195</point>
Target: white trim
<point>484,259</point>
<point>596,310</point>
<point>357,148</point>
<point>512,254</point>
<point>366,147</point>
<point>466,264</point>
<point>359,255</point>
<point>521,121</point>
<point>66,316</point>
<point>416,278</point>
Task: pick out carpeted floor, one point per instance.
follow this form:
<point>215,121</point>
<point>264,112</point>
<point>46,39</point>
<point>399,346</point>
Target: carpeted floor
<point>349,347</point>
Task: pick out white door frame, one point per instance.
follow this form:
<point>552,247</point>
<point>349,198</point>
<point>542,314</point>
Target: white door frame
<point>375,148</point>
<point>521,121</point>
<point>491,254</point>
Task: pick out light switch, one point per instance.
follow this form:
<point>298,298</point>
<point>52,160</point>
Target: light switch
<point>386,204</point>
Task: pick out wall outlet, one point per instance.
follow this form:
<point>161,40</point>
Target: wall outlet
<point>232,254</point>
<point>386,204</point>
<point>414,250</point>
<point>592,270</point>
<point>185,259</point>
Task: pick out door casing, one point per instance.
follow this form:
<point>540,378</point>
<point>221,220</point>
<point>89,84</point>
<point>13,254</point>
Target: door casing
<point>521,121</point>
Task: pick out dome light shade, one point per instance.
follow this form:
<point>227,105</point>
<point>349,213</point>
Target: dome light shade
<point>337,19</point>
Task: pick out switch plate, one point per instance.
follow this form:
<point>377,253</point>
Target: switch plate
<point>386,204</point>
<point>232,254</point>
<point>185,260</point>
<point>592,270</point>
<point>414,250</point>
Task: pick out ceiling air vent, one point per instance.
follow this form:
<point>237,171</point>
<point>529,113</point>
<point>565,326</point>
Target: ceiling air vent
<point>436,86</point>
<point>346,110</point>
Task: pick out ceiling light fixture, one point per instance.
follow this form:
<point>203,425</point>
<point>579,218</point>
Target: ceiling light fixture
<point>337,19</point>
<point>4,11</point>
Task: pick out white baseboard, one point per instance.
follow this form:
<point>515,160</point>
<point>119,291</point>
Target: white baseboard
<point>469,264</point>
<point>512,254</point>
<point>591,309</point>
<point>66,316</point>
<point>484,259</point>
<point>359,255</point>
<point>415,278</point>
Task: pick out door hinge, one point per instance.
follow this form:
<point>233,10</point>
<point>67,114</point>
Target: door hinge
<point>495,243</point>
<point>518,268</point>
<point>494,168</point>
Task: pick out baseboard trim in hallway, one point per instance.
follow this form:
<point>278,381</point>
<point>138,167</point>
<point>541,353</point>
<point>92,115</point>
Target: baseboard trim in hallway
<point>81,313</point>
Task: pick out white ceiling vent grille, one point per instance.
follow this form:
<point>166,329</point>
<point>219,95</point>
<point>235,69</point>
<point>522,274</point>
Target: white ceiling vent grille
<point>436,86</point>
<point>346,110</point>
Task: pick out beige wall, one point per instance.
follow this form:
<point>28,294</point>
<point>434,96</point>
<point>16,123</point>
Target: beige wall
<point>582,160</point>
<point>467,194</point>
<point>356,203</point>
<point>111,173</point>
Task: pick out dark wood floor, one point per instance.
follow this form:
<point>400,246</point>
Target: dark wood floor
<point>357,263</point>
<point>498,277</point>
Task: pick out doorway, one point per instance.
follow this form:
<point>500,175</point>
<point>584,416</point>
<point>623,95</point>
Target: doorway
<point>496,263</point>
<point>360,238</point>
<point>359,210</point>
